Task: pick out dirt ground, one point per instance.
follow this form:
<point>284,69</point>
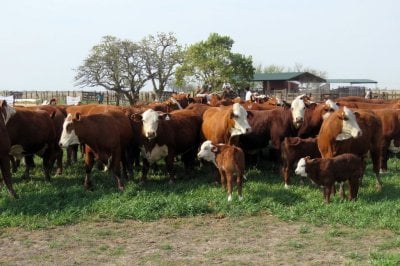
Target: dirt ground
<point>255,240</point>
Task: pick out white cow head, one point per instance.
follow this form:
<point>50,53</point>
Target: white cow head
<point>331,107</point>
<point>6,111</point>
<point>68,135</point>
<point>241,125</point>
<point>350,128</point>
<point>301,167</point>
<point>298,107</point>
<point>207,151</point>
<point>150,119</point>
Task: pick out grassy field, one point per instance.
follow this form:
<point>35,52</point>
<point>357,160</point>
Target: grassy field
<point>65,201</point>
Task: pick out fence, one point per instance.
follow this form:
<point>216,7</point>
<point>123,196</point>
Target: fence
<point>110,97</point>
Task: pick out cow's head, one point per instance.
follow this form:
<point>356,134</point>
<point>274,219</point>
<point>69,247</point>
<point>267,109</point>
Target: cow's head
<point>298,107</point>
<point>239,116</point>
<point>6,111</point>
<point>301,167</point>
<point>329,107</point>
<point>350,128</point>
<point>150,119</point>
<point>68,135</point>
<point>207,151</point>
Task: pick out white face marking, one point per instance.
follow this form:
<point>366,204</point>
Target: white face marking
<point>350,126</point>
<point>150,123</point>
<point>156,154</point>
<point>68,138</point>
<point>241,125</point>
<point>301,168</point>
<point>298,107</point>
<point>206,153</point>
<point>9,112</point>
<point>332,105</point>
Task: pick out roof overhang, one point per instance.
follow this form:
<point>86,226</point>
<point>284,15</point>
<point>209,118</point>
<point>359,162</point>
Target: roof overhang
<point>303,77</point>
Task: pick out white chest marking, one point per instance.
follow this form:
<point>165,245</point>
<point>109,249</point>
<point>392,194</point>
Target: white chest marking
<point>156,154</point>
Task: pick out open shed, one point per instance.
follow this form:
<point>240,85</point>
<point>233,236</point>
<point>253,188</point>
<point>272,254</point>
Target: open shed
<point>286,80</point>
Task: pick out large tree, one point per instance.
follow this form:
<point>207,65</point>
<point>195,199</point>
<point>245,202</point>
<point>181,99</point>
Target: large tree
<point>116,65</point>
<point>162,54</point>
<point>212,62</point>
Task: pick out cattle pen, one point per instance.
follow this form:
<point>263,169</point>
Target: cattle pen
<point>35,97</point>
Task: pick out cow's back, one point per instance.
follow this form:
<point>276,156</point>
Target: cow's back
<point>215,126</point>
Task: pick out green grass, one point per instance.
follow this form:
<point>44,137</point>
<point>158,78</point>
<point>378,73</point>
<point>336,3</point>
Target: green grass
<point>65,201</point>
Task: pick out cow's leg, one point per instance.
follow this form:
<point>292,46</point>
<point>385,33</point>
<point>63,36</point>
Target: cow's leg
<point>145,171</point>
<point>169,163</point>
<point>353,187</point>
<point>116,168</point>
<point>285,174</point>
<point>384,155</point>
<point>59,153</point>
<point>89,162</point>
<point>14,163</point>
<point>49,157</point>
<point>239,183</point>
<point>29,164</point>
<point>5,170</point>
<point>72,154</point>
<point>229,183</point>
<point>341,190</point>
<point>327,193</point>
<point>375,156</point>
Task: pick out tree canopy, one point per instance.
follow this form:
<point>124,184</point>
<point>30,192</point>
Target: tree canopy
<point>212,62</point>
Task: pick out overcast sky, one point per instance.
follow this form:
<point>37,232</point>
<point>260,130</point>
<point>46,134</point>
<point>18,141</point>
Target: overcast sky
<point>43,41</point>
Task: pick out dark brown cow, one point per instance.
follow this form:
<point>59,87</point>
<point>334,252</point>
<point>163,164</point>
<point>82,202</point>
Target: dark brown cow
<point>33,132</point>
<point>167,136</point>
<point>326,171</point>
<point>292,150</point>
<point>6,112</point>
<point>390,119</point>
<point>348,132</point>
<point>313,117</point>
<point>230,162</point>
<point>223,124</point>
<point>106,135</point>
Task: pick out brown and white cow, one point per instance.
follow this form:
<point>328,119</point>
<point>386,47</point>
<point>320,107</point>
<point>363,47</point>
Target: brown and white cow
<point>224,124</point>
<point>326,171</point>
<point>347,132</point>
<point>33,132</point>
<point>292,150</point>
<point>230,162</point>
<point>314,115</point>
<point>165,136</point>
<point>6,112</point>
<point>105,135</point>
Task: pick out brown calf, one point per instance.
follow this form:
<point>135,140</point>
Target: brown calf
<point>229,160</point>
<point>326,171</point>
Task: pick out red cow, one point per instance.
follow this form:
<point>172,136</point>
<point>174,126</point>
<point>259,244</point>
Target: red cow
<point>5,144</point>
<point>33,132</point>
<point>292,150</point>
<point>326,171</point>
<point>223,124</point>
<point>106,135</point>
<point>166,136</point>
<point>230,162</point>
<point>348,132</point>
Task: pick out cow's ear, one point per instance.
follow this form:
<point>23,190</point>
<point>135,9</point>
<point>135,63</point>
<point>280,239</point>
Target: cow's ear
<point>77,116</point>
<point>341,115</point>
<point>53,114</point>
<point>233,115</point>
<point>214,149</point>
<point>307,158</point>
<point>250,114</point>
<point>357,114</point>
<point>164,116</point>
<point>136,117</point>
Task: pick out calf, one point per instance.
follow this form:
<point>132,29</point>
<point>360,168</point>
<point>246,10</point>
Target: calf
<point>229,160</point>
<point>292,150</point>
<point>326,171</point>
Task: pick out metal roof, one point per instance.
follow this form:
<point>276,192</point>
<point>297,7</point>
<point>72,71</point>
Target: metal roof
<point>288,76</point>
<point>351,81</point>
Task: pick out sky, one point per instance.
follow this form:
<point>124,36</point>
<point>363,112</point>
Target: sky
<point>43,42</point>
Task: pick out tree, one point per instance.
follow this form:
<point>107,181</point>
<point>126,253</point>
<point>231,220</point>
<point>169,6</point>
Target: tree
<point>161,54</point>
<point>212,62</point>
<point>270,69</point>
<point>116,65</point>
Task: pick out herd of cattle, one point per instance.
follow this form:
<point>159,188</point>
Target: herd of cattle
<point>329,140</point>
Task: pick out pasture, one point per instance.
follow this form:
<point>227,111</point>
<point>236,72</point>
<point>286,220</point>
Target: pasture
<point>64,201</point>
